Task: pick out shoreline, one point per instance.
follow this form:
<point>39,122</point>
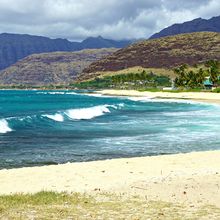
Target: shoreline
<point>191,178</point>
<point>206,97</point>
<point>188,178</point>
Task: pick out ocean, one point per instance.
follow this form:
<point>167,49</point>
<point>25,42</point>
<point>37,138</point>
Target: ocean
<point>52,127</point>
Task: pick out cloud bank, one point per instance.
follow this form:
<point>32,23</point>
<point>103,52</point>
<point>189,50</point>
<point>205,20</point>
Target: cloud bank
<point>78,19</point>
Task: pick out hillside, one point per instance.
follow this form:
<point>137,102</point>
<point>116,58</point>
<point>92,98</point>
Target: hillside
<point>196,25</point>
<point>51,68</point>
<point>14,47</point>
<point>100,42</point>
<point>160,53</point>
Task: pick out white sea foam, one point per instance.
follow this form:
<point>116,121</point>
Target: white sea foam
<point>51,93</point>
<point>4,127</point>
<point>58,93</point>
<point>88,113</point>
<point>137,99</point>
<point>148,99</point>
<point>188,113</point>
<point>72,93</point>
<point>121,105</point>
<point>84,113</point>
<point>98,95</point>
<point>93,94</point>
<point>57,117</point>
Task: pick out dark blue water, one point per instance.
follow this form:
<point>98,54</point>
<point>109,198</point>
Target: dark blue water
<point>47,127</point>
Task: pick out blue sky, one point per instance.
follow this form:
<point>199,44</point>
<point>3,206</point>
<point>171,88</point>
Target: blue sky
<point>78,19</point>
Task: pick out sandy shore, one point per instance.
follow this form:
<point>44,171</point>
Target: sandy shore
<point>192,178</point>
<point>200,96</point>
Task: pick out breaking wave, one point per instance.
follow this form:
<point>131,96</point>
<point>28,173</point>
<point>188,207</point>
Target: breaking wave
<point>58,93</point>
<point>4,127</point>
<point>83,113</point>
<point>59,116</point>
<point>88,113</point>
<point>56,117</point>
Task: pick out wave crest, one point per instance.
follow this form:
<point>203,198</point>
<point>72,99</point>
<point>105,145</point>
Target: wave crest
<point>58,93</point>
<point>87,113</point>
<point>4,127</point>
<point>56,117</point>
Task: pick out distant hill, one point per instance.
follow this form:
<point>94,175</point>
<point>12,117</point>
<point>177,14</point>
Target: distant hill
<point>167,52</point>
<point>14,47</point>
<point>100,42</point>
<point>197,25</point>
<point>51,68</point>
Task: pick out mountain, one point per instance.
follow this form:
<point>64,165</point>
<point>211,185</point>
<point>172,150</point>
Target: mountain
<point>197,25</point>
<point>167,52</point>
<point>14,47</point>
<point>100,42</point>
<point>51,68</point>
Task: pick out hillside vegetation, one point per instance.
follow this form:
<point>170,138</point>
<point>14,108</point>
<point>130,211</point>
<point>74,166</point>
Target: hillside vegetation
<point>139,80</point>
<point>51,68</point>
<point>164,53</point>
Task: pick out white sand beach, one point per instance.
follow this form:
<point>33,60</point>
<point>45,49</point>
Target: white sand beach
<point>202,96</point>
<point>192,178</point>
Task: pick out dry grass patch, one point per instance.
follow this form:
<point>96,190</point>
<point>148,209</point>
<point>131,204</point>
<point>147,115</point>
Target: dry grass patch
<point>50,205</point>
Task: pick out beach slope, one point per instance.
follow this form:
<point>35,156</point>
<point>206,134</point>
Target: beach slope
<point>203,96</point>
<point>192,178</point>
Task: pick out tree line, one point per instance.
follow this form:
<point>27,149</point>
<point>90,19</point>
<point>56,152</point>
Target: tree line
<point>188,78</point>
<point>140,80</point>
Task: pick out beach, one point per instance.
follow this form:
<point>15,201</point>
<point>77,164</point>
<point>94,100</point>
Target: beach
<point>198,96</point>
<point>192,178</point>
<point>187,182</point>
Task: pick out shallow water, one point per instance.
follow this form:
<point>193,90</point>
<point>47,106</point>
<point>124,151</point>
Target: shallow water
<point>51,127</point>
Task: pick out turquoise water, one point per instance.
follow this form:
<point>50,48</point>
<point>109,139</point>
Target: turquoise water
<point>52,127</point>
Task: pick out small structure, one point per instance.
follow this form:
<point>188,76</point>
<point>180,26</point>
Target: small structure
<point>170,88</point>
<point>208,83</point>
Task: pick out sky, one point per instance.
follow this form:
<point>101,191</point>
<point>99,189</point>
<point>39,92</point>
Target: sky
<point>115,19</point>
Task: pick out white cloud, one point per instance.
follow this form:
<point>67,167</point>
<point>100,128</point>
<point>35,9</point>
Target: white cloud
<point>78,19</point>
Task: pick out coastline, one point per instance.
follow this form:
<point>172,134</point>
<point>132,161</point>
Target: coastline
<point>196,96</point>
<point>191,178</point>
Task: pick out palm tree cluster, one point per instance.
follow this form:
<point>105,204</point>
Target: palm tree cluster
<point>188,78</point>
<point>141,80</point>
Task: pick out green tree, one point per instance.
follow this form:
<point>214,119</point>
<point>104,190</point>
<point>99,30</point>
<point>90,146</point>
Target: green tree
<point>181,79</point>
<point>213,70</point>
<point>200,77</point>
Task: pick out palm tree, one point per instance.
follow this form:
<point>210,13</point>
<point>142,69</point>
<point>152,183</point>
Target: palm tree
<point>181,78</point>
<point>200,78</point>
<point>213,70</point>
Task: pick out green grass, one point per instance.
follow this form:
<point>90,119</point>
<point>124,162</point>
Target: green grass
<point>173,91</point>
<point>217,90</point>
<point>150,90</point>
<point>50,205</point>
